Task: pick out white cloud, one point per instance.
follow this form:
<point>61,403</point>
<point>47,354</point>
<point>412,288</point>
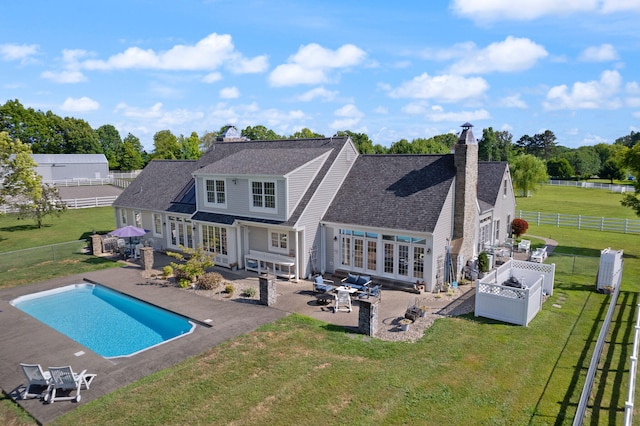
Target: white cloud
<point>512,54</point>
<point>349,115</point>
<point>211,52</point>
<point>313,63</point>
<point>513,101</point>
<point>212,77</point>
<point>460,117</point>
<point>381,110</point>
<point>610,6</point>
<point>83,104</point>
<point>156,117</point>
<point>415,108</point>
<point>603,53</point>
<point>65,76</point>
<point>229,93</point>
<point>446,88</point>
<point>522,10</point>
<point>18,52</point>
<point>590,95</point>
<point>318,93</point>
<point>636,114</point>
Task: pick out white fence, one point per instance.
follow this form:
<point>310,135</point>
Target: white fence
<point>628,407</point>
<point>514,305</point>
<point>607,186</point>
<point>605,224</point>
<point>73,203</point>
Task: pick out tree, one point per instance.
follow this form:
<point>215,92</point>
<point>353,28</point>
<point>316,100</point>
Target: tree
<point>166,145</point>
<point>260,133</point>
<point>519,227</point>
<point>18,179</point>
<point>401,147</point>
<point>429,146</point>
<point>487,145</point>
<point>133,156</point>
<point>190,147</point>
<point>528,173</point>
<point>46,203</point>
<point>585,161</point>
<point>630,140</point>
<point>111,144</point>
<point>612,169</point>
<point>560,168</point>
<point>306,134</point>
<point>542,145</point>
<point>207,140</point>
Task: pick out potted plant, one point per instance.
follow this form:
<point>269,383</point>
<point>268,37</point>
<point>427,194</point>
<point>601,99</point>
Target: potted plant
<point>234,266</point>
<point>483,263</point>
<point>405,323</point>
<point>423,311</point>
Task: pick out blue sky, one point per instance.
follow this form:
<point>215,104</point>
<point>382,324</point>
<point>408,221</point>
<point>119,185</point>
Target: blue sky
<point>392,70</point>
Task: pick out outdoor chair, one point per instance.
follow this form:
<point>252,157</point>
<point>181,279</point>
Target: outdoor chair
<point>524,246</point>
<point>64,379</point>
<point>320,285</point>
<point>375,291</point>
<point>38,378</point>
<point>343,301</point>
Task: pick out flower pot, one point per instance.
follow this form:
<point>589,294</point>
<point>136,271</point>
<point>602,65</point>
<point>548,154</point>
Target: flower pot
<point>404,327</point>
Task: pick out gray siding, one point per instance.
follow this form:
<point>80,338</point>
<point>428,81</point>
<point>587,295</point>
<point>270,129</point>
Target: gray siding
<point>299,181</point>
<point>505,207</point>
<point>322,197</point>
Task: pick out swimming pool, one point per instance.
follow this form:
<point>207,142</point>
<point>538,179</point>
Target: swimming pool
<point>109,323</point>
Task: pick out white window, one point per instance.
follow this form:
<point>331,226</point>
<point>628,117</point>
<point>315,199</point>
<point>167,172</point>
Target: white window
<point>157,224</point>
<point>123,216</point>
<point>263,195</point>
<point>137,218</point>
<point>216,193</point>
<point>505,188</point>
<point>279,241</point>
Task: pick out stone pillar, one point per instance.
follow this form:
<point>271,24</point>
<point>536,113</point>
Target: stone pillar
<point>96,245</point>
<point>368,316</point>
<point>146,255</point>
<point>268,293</point>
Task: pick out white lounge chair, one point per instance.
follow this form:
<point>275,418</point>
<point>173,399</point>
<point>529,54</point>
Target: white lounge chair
<point>343,301</point>
<point>36,377</point>
<point>64,379</point>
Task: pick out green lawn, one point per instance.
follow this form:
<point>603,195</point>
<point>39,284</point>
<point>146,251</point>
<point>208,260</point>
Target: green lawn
<point>576,201</point>
<point>464,370</point>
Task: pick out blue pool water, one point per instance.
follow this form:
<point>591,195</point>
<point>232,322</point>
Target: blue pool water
<point>109,323</point>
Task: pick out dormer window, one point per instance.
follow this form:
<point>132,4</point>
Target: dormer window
<point>263,195</point>
<point>216,194</point>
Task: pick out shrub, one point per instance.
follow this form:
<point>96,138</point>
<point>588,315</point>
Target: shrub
<point>180,274</point>
<point>184,283</point>
<point>249,292</point>
<point>229,289</point>
<point>167,271</point>
<point>196,261</point>
<point>209,281</point>
<point>483,262</point>
<point>519,227</point>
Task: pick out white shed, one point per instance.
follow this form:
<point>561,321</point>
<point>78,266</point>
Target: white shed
<point>59,167</point>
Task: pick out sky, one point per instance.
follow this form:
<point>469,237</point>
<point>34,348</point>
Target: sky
<point>392,70</point>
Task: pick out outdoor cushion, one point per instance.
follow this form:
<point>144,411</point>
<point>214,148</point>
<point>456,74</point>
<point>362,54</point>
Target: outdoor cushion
<point>363,280</point>
<point>352,279</point>
<point>319,280</point>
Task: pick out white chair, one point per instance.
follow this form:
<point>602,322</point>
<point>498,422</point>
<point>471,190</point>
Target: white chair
<point>36,377</point>
<point>343,301</point>
<point>64,379</point>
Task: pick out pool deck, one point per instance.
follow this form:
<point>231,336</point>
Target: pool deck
<point>24,339</point>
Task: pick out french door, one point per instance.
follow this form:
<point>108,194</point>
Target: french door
<point>180,232</point>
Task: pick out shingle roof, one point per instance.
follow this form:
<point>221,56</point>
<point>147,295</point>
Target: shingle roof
<point>69,158</point>
<point>490,175</point>
<point>157,185</point>
<point>266,161</point>
<point>394,191</point>
<point>168,184</point>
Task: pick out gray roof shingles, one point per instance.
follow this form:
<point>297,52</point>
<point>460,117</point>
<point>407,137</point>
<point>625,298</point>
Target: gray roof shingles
<point>394,191</point>
<point>490,175</point>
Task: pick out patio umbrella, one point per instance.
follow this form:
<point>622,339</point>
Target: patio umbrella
<point>129,232</point>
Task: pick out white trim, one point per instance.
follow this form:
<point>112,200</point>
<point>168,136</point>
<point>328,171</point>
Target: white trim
<point>279,249</point>
<point>263,209</point>
<point>215,181</point>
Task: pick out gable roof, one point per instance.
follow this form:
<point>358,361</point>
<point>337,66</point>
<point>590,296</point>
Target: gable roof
<point>394,191</point>
<point>490,175</point>
<point>169,184</point>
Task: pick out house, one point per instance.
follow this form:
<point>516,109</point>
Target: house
<point>59,167</point>
<point>301,206</point>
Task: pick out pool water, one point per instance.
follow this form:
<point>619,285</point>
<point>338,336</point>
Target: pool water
<point>109,323</point>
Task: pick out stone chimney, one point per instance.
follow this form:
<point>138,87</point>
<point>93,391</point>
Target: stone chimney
<point>465,215</point>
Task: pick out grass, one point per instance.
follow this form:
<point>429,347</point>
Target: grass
<point>576,201</point>
<point>21,264</point>
<point>465,370</point>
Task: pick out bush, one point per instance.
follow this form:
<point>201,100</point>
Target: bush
<point>167,271</point>
<point>229,289</point>
<point>184,283</point>
<point>519,227</point>
<point>483,262</point>
<point>209,281</point>
<point>181,274</point>
<point>249,292</point>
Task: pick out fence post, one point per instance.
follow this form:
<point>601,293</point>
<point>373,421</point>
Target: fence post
<point>538,218</point>
<point>602,223</point>
<point>579,221</point>
<point>558,220</point>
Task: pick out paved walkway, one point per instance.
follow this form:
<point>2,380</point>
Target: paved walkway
<point>25,339</point>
